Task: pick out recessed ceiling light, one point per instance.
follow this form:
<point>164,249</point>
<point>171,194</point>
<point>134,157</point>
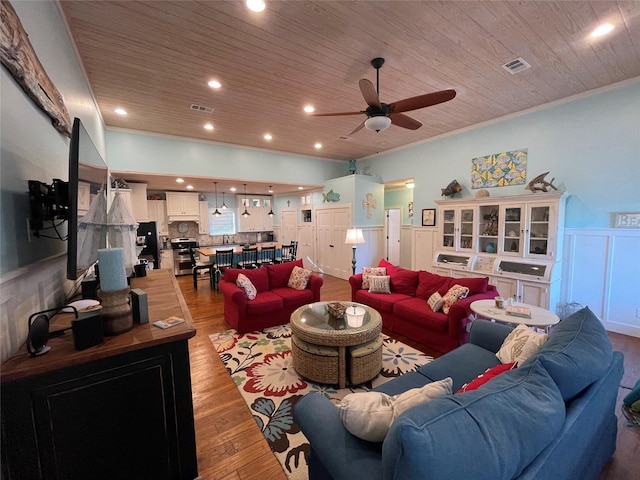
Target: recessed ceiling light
<point>309,109</point>
<point>233,189</point>
<point>410,184</point>
<point>214,84</point>
<point>256,5</point>
<point>267,136</point>
<point>602,30</point>
<point>300,188</point>
<point>270,189</point>
<point>208,126</point>
<point>318,146</point>
<point>190,187</point>
<point>120,111</point>
<point>180,180</point>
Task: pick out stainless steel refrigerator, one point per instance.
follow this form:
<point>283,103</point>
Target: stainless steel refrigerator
<point>148,238</point>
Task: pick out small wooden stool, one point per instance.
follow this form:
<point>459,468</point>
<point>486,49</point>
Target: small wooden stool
<point>318,363</point>
<point>365,361</point>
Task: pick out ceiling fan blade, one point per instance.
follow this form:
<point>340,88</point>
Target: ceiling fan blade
<point>422,101</point>
<point>404,121</point>
<point>358,128</point>
<point>334,114</point>
<point>369,93</point>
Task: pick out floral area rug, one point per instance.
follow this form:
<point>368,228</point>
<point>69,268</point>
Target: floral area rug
<point>261,366</point>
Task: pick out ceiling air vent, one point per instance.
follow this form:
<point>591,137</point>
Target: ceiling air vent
<point>517,65</point>
<point>201,108</point>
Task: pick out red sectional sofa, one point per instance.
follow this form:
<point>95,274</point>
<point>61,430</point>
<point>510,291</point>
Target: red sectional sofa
<point>405,310</point>
<point>274,303</point>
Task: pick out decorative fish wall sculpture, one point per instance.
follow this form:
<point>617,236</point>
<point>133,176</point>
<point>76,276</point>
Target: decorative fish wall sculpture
<point>331,196</point>
<point>451,189</point>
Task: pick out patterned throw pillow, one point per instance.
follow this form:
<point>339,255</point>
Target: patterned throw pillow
<point>368,272</point>
<point>454,294</point>
<point>299,278</point>
<point>435,301</point>
<point>520,344</point>
<point>244,283</point>
<point>379,284</point>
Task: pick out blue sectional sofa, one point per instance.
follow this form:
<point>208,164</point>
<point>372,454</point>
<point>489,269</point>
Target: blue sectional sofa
<point>553,417</point>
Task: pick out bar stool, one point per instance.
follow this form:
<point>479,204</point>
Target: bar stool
<point>249,258</point>
<point>267,256</point>
<point>197,267</point>
<point>224,260</point>
<point>285,254</point>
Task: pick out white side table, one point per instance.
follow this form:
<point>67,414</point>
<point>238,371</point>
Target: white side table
<point>540,317</point>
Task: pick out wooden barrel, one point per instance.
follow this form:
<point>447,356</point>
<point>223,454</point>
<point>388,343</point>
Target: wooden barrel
<point>116,313</point>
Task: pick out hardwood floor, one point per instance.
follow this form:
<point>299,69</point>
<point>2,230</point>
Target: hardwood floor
<point>231,447</point>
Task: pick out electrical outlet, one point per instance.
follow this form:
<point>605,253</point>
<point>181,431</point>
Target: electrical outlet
<point>28,231</point>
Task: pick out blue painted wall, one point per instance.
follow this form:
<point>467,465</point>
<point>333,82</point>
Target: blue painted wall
<point>591,145</point>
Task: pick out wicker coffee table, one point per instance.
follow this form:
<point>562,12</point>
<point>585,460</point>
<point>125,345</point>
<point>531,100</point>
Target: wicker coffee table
<point>319,342</point>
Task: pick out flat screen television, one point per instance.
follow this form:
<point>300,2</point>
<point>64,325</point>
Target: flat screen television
<point>88,177</point>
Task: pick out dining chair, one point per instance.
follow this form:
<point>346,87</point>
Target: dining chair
<point>223,260</point>
<point>267,256</point>
<point>249,258</point>
<point>294,250</point>
<point>198,267</point>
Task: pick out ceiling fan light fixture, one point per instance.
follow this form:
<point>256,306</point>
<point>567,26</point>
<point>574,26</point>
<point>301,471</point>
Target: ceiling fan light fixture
<point>377,123</point>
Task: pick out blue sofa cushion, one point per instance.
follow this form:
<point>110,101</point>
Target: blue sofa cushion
<point>577,353</point>
<point>500,428</point>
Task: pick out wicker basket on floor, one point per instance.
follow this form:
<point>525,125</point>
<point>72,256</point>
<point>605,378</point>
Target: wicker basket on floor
<point>365,361</point>
<point>315,362</point>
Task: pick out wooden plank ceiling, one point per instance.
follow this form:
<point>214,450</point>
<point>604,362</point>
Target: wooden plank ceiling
<point>154,59</point>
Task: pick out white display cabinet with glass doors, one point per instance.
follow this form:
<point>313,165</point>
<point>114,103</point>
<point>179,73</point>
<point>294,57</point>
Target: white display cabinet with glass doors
<point>515,240</point>
<point>458,228</point>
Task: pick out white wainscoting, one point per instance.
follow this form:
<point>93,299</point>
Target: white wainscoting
<point>27,290</point>
<point>601,270</point>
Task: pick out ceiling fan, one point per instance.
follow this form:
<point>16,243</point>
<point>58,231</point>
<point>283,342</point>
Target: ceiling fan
<point>381,115</point>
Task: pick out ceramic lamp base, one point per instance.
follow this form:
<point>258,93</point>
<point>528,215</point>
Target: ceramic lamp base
<point>117,316</point>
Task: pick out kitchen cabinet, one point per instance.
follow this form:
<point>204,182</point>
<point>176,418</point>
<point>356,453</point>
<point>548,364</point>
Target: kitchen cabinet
<point>203,224</point>
<point>139,206</point>
<point>515,240</point>
<point>258,220</point>
<point>158,214</point>
<point>125,197</point>
<point>182,206</point>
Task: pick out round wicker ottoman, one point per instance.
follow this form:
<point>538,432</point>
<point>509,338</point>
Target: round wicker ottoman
<point>315,325</point>
<point>365,361</point>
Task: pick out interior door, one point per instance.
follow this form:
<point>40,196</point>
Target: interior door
<point>288,225</point>
<point>393,235</point>
<point>333,255</point>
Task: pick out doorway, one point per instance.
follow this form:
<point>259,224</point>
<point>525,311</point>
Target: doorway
<point>392,230</point>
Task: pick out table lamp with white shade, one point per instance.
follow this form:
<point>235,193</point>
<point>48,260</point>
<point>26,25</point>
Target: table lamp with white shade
<point>354,236</point>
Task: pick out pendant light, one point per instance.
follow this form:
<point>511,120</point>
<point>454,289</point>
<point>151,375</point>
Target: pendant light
<point>271,203</point>
<point>245,213</point>
<point>224,206</point>
<point>217,212</point>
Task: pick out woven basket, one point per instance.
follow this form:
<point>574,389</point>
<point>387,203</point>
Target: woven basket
<point>336,309</point>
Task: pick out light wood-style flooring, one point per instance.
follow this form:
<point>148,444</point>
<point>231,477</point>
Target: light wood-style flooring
<point>231,447</point>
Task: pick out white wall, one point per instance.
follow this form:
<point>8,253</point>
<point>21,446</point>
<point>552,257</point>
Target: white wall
<point>33,273</point>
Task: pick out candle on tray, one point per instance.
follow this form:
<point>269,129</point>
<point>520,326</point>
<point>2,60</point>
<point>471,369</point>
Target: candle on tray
<point>112,274</point>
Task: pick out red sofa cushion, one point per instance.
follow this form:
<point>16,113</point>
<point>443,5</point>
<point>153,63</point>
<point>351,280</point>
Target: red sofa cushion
<point>265,302</point>
<point>430,282</point>
<point>475,285</point>
<point>416,310</point>
<point>391,268</point>
<point>258,277</point>
<point>483,378</point>
<point>292,297</point>
<point>382,302</point>
<point>404,281</point>
<point>279,274</point>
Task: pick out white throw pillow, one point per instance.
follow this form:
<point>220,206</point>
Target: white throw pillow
<point>435,301</point>
<point>369,415</point>
<point>367,272</point>
<point>245,284</point>
<point>380,284</point>
<point>520,344</point>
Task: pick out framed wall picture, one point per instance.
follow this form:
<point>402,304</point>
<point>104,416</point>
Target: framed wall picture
<point>428,217</point>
